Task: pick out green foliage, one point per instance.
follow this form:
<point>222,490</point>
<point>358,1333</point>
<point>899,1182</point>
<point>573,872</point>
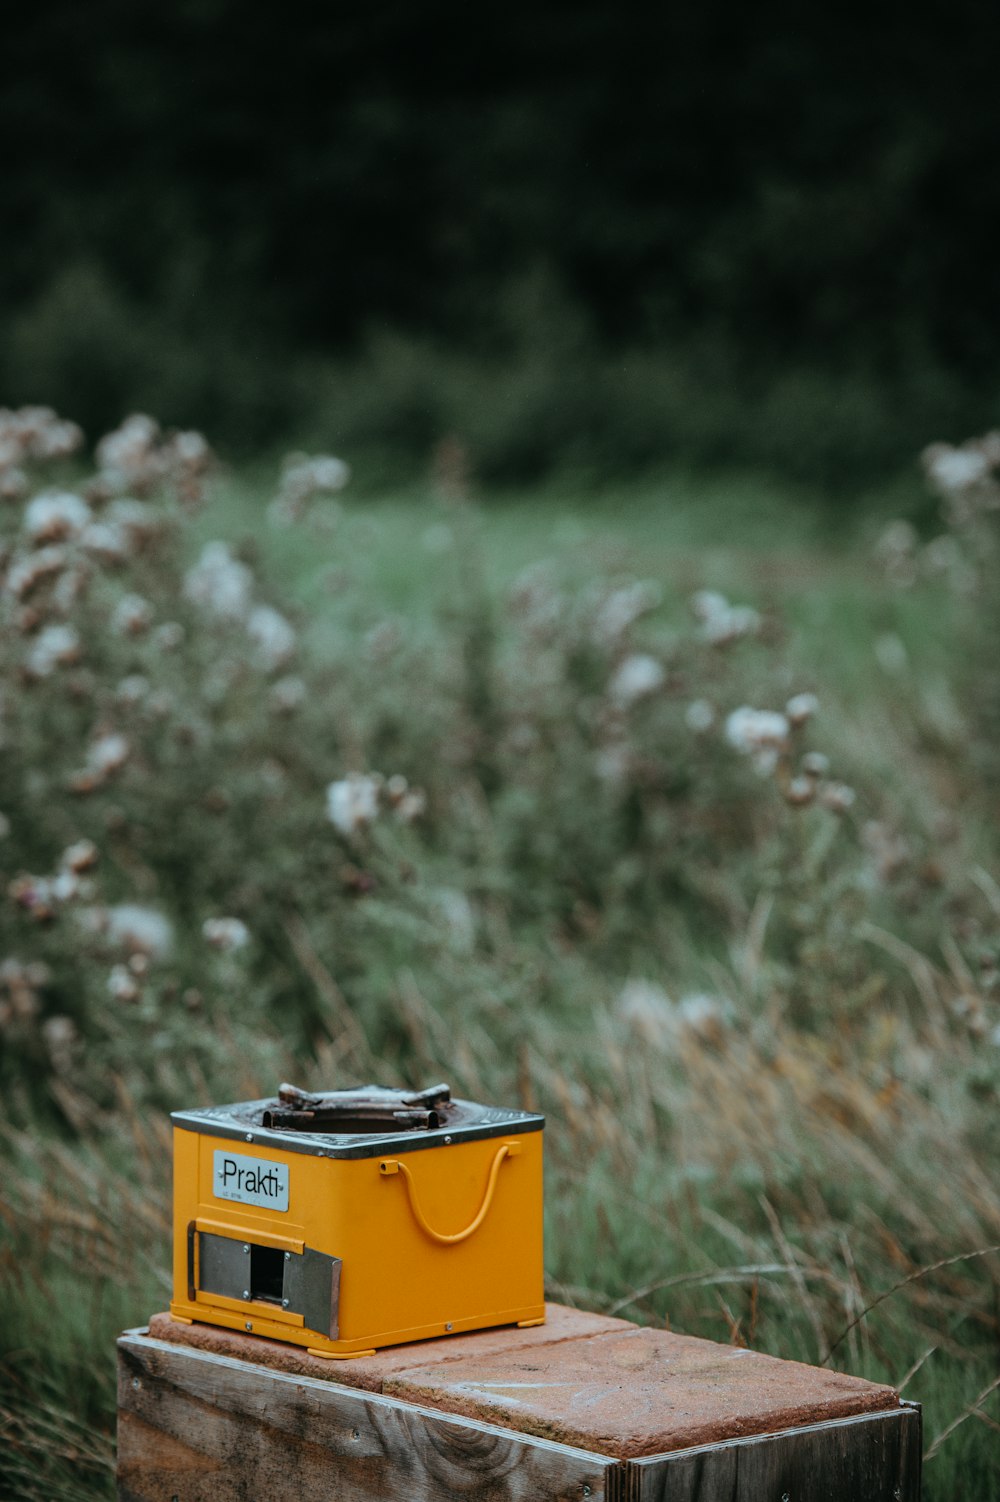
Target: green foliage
<point>544,395</point>
<point>509,798</point>
<point>686,233</point>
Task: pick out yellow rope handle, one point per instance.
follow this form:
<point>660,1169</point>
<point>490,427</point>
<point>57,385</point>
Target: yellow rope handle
<point>393,1165</point>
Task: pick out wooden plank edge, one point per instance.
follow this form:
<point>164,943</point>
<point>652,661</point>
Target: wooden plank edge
<point>717,1472</point>
<point>138,1341</point>
<point>906,1409</point>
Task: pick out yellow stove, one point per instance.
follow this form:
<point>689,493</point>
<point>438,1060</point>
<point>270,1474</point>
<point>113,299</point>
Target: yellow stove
<point>357,1219</point>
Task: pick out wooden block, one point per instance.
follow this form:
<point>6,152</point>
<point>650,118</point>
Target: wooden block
<point>583,1407</point>
<point>372,1372</point>
<point>197,1427</point>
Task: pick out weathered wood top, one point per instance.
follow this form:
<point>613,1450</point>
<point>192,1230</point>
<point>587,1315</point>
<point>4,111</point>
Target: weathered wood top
<point>581,1380</point>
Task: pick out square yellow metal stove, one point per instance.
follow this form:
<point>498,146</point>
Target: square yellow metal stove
<point>358,1219</point>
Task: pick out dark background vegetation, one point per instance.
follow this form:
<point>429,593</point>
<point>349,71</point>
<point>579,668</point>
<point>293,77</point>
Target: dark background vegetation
<point>595,236</point>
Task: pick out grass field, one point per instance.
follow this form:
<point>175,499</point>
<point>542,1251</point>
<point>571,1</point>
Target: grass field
<point>751,973</point>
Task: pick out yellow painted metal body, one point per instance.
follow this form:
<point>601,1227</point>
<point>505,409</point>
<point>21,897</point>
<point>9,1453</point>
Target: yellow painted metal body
<point>429,1242</point>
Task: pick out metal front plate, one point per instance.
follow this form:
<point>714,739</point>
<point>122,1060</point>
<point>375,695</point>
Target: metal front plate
<point>312,1288</point>
<point>223,1266</point>
<point>239,1269</point>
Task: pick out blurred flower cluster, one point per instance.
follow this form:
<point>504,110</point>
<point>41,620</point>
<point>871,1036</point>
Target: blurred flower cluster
<point>966,480</point>
<point>147,771</point>
<point>204,819</point>
<point>647,857</point>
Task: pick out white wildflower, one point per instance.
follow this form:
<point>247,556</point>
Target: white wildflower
<point>647,1010</point>
<point>635,677</point>
<point>303,478</point>
<point>800,791</point>
<point>954,469</point>
<point>28,572</point>
<point>613,762</point>
<point>815,765</point>
<point>837,797</point>
<point>79,857</point>
<point>458,917</point>
<point>122,984</point>
<point>54,646</point>
<point>220,584</point>
<point>138,930</point>
<point>168,636</point>
<point>699,716</point>
<point>896,551</point>
<point>132,616</point>
<point>226,934</point>
<point>190,450</point>
<point>623,607</point>
<point>942,555</point>
<point>722,623</point>
<point>161,703</point>
<point>324,473</point>
<point>288,695</point>
<point>132,689</point>
<point>56,516</point>
<point>738,621</point>
<point>800,708</point>
<point>889,850</point>
<point>411,807</point>
<point>708,603</point>
<point>64,886</point>
<point>897,539</point>
<point>352,802</point>
<point>139,524</point>
<point>750,730</point>
<point>107,753</point>
<point>891,654</point>
<point>127,453</point>
<point>60,1037</point>
<point>14,483</point>
<point>761,734</point>
<point>408,804</point>
<point>273,637</point>
<point>68,588</point>
<point>106,541</point>
<point>57,440</point>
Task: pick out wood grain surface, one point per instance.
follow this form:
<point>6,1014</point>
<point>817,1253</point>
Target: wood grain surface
<point>868,1459</point>
<point>198,1427</point>
<point>198,1424</point>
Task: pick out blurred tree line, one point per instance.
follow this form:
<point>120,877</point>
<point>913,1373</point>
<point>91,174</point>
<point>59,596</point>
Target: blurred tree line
<point>588,234</point>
